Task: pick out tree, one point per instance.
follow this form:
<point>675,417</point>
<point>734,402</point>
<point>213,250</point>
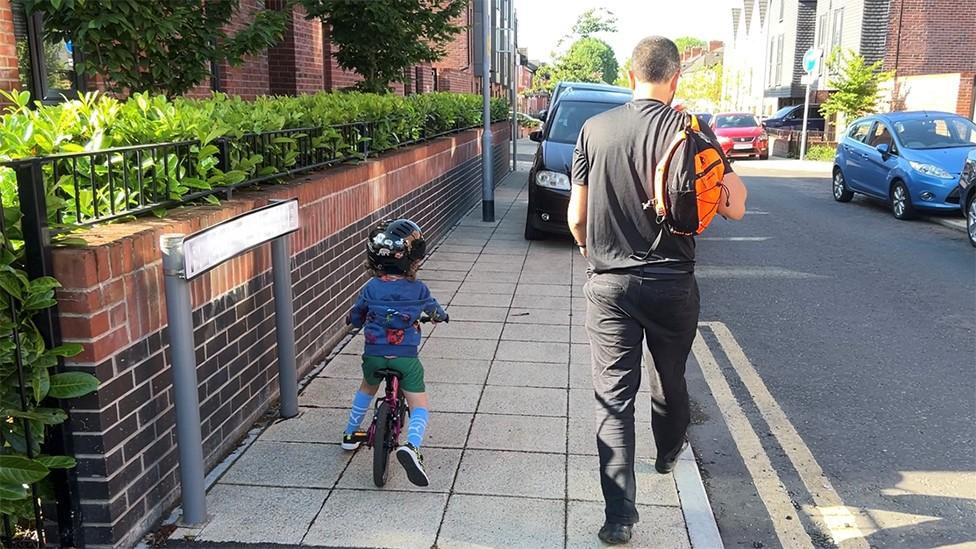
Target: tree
<point>381,39</point>
<point>153,45</point>
<point>588,60</point>
<point>623,79</point>
<point>686,42</point>
<point>701,90</point>
<point>856,84</point>
<point>590,22</point>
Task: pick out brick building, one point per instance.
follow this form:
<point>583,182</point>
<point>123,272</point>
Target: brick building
<point>932,49</point>
<point>302,62</point>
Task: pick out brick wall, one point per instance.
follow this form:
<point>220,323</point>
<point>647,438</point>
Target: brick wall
<point>336,78</point>
<point>113,303</point>
<point>250,79</point>
<point>455,71</point>
<point>296,63</point>
<point>9,73</point>
<point>934,37</point>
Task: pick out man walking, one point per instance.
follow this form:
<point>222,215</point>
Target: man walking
<point>637,293</point>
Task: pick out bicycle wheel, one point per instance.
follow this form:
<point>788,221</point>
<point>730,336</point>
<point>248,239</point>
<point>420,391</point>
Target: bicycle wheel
<point>382,445</point>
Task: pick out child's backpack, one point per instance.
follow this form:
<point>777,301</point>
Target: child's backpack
<point>687,183</point>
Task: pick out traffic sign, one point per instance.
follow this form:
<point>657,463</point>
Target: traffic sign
<point>811,60</point>
<point>808,79</point>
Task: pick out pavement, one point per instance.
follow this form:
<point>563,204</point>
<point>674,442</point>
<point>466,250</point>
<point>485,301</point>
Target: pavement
<point>834,390</point>
<point>511,444</point>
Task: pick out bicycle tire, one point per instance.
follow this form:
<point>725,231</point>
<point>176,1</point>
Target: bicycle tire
<point>382,445</point>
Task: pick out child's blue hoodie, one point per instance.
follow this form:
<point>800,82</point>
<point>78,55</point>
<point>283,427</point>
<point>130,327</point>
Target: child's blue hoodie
<point>388,310</point>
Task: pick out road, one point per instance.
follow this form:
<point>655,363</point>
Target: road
<point>834,384</point>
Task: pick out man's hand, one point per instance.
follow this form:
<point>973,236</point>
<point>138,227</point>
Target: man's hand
<point>582,250</point>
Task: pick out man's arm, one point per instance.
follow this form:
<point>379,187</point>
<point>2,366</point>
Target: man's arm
<point>579,179</point>
<point>576,215</point>
<point>734,205</point>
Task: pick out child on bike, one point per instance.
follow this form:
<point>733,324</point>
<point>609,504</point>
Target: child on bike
<point>388,310</point>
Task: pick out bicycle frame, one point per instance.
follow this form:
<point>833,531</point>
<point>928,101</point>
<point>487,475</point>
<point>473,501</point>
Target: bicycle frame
<point>393,398</point>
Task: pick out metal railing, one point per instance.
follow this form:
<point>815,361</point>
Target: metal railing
<point>89,187</point>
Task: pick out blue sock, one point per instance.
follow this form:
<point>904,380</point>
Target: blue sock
<point>418,424</point>
<point>360,404</point>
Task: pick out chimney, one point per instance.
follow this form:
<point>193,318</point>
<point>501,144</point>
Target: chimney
<point>715,45</point>
<point>696,51</point>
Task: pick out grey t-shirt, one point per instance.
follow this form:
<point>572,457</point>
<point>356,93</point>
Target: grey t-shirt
<point>615,157</point>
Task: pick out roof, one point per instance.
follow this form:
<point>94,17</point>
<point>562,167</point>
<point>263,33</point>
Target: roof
<point>910,115</point>
<point>596,96</point>
<point>573,86</point>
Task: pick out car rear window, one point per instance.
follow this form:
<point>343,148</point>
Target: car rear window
<point>736,121</point>
<point>570,116</point>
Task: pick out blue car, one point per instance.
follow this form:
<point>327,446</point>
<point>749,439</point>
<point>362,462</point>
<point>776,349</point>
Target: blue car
<point>912,160</point>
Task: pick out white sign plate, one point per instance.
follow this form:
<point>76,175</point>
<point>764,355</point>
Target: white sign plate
<point>808,79</point>
<point>210,247</point>
<point>742,146</point>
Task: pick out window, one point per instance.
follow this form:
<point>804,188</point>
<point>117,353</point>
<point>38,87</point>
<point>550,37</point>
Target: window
<point>736,121</point>
<point>837,29</point>
<point>570,116</point>
<point>782,5</point>
<point>859,131</point>
<point>772,62</point>
<point>881,135</point>
<point>822,30</point>
<point>46,65</point>
<point>779,60</point>
<point>936,133</point>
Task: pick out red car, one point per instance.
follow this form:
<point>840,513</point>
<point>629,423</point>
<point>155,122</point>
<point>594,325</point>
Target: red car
<point>741,135</point>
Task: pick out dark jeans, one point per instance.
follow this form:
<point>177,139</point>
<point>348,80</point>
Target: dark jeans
<point>623,311</point>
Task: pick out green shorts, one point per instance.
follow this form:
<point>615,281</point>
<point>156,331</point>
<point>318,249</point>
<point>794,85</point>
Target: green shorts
<point>412,380</point>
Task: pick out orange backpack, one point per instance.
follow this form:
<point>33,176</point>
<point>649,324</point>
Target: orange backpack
<point>687,183</point>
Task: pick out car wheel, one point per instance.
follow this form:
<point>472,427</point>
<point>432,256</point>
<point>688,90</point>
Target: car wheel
<point>532,233</point>
<point>840,190</point>
<point>901,202</point>
<point>764,156</point>
<point>971,219</point>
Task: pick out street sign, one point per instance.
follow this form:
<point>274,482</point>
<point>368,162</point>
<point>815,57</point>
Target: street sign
<point>811,60</point>
<point>808,79</point>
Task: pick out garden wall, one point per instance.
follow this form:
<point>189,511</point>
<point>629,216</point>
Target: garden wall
<point>113,303</point>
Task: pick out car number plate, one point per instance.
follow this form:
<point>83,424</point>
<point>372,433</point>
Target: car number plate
<point>742,146</point>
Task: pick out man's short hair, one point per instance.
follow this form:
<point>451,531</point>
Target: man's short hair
<point>655,60</point>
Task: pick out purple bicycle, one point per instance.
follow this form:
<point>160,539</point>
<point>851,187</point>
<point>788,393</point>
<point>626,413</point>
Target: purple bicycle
<point>383,435</point>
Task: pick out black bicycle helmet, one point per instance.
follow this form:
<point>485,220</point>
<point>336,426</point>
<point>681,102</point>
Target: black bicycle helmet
<point>394,246</point>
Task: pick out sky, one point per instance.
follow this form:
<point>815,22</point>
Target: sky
<point>543,22</point>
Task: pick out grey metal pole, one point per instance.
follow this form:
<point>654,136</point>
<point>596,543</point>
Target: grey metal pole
<point>806,110</point>
<point>487,176</point>
<point>284,326</point>
<point>515,66</point>
<point>185,385</point>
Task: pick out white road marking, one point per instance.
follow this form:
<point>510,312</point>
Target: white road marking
<point>837,519</point>
<point>756,212</point>
<point>771,490</point>
<point>734,238</point>
<point>751,272</point>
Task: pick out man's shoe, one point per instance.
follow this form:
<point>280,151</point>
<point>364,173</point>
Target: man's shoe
<point>353,441</point>
<point>665,464</point>
<point>413,464</point>
<point>616,534</point>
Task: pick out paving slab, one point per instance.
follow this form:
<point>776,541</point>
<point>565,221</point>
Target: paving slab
<point>460,349</point>
<point>540,302</point>
<point>510,276</point>
<point>354,518</point>
<point>563,278</point>
<point>479,522</point>
<point>330,392</point>
<point>482,299</point>
<point>528,374</point>
<point>441,465</point>
<point>490,472</point>
<point>553,290</point>
<point>310,425</point>
<point>659,527</point>
<point>468,329</point>
<point>526,401</point>
<point>524,433</point>
<point>536,332</point>
<point>538,316</point>
<point>300,465</point>
<point>652,487</point>
<point>285,513</point>
<point>525,351</point>
<point>506,288</point>
<point>453,397</point>
<point>447,429</point>
<point>433,274</point>
<point>480,314</point>
<point>452,370</point>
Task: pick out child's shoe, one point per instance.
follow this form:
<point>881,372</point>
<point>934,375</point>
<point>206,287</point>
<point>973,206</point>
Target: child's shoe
<point>413,463</point>
<point>353,441</point>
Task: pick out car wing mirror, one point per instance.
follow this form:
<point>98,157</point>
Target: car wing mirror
<point>536,135</point>
<point>542,114</point>
<point>884,149</point>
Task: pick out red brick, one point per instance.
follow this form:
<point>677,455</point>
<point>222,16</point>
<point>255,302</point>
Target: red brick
<point>103,347</point>
<point>85,327</point>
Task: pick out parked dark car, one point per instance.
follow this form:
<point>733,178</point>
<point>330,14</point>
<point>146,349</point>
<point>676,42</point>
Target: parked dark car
<point>549,183</point>
<point>791,118</point>
<point>704,117</point>
<point>912,160</point>
<point>967,195</point>
<point>563,87</point>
